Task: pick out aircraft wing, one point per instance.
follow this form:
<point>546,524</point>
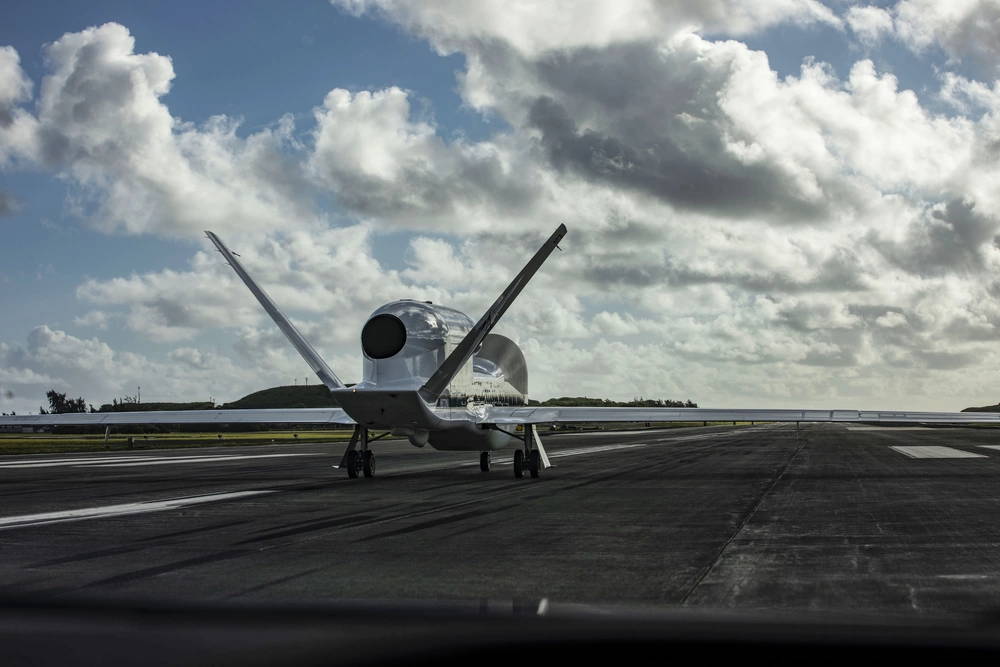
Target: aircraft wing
<point>555,415</point>
<point>272,416</point>
<point>307,352</point>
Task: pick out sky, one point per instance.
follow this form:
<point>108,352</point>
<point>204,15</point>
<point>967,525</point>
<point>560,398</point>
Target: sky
<point>784,203</point>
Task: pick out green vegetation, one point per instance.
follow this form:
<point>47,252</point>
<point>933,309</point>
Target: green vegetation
<point>140,407</point>
<point>47,443</point>
<point>296,396</point>
<point>587,402</point>
<point>59,404</point>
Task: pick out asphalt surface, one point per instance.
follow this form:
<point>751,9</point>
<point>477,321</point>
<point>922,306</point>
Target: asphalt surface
<point>764,517</point>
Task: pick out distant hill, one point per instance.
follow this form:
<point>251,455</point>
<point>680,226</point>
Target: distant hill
<point>140,407</point>
<point>295,396</point>
<point>985,408</point>
<point>318,396</point>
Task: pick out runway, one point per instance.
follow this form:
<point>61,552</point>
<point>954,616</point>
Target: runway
<point>756,517</point>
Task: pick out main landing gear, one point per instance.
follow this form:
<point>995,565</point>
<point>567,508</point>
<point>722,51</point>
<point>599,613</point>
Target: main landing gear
<point>532,462</point>
<point>358,459</point>
<point>532,457</point>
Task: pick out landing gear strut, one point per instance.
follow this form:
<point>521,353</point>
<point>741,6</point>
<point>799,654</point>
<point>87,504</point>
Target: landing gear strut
<point>358,459</point>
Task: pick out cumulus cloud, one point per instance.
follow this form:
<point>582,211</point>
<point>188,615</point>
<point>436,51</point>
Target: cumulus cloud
<point>97,319</point>
<point>533,28</point>
<point>734,234</point>
<point>17,126</point>
<point>8,205</point>
<point>330,274</point>
<point>701,125</point>
<point>89,367</point>
<point>869,23</point>
<point>53,359</point>
<point>950,238</point>
<point>15,87</point>
<point>969,96</point>
<point>384,165</point>
<point>651,119</point>
<point>615,324</point>
<point>101,121</point>
<point>967,30</point>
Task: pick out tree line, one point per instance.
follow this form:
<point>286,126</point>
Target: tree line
<point>587,402</point>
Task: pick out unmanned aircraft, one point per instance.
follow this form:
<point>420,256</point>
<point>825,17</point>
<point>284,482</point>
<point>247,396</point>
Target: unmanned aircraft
<point>437,378</point>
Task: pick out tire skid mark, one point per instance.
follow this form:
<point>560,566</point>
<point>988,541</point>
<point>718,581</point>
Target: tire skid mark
<point>308,522</point>
<point>166,568</point>
<point>348,521</point>
<point>87,555</point>
<point>374,520</point>
<point>275,582</point>
<point>424,525</point>
<point>192,531</point>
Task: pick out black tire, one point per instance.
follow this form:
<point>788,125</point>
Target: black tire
<point>369,464</point>
<point>485,461</point>
<point>518,464</point>
<point>352,464</point>
<point>535,463</point>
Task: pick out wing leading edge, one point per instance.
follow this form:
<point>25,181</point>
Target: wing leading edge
<point>272,416</point>
<point>438,382</point>
<point>556,415</point>
<point>305,350</point>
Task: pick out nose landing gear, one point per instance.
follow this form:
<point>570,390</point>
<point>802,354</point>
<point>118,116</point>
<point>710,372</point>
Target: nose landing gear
<point>358,460</point>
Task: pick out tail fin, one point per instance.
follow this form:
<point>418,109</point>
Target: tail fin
<point>310,355</point>
<point>437,383</point>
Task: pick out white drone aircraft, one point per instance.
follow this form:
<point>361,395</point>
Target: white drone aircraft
<point>435,377</point>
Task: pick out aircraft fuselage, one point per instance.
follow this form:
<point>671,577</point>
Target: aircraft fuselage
<point>404,342</point>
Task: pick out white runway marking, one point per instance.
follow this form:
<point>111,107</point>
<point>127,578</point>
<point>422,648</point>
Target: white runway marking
<point>586,434</point>
<point>570,452</point>
<point>119,510</point>
<point>935,452</point>
<point>95,459</point>
<point>895,428</point>
<point>201,459</point>
<point>607,448</point>
<point>665,431</point>
<point>129,461</point>
<point>997,447</point>
<point>593,450</point>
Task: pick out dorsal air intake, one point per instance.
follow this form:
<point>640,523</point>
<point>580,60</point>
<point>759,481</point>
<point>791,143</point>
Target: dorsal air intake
<point>383,336</point>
